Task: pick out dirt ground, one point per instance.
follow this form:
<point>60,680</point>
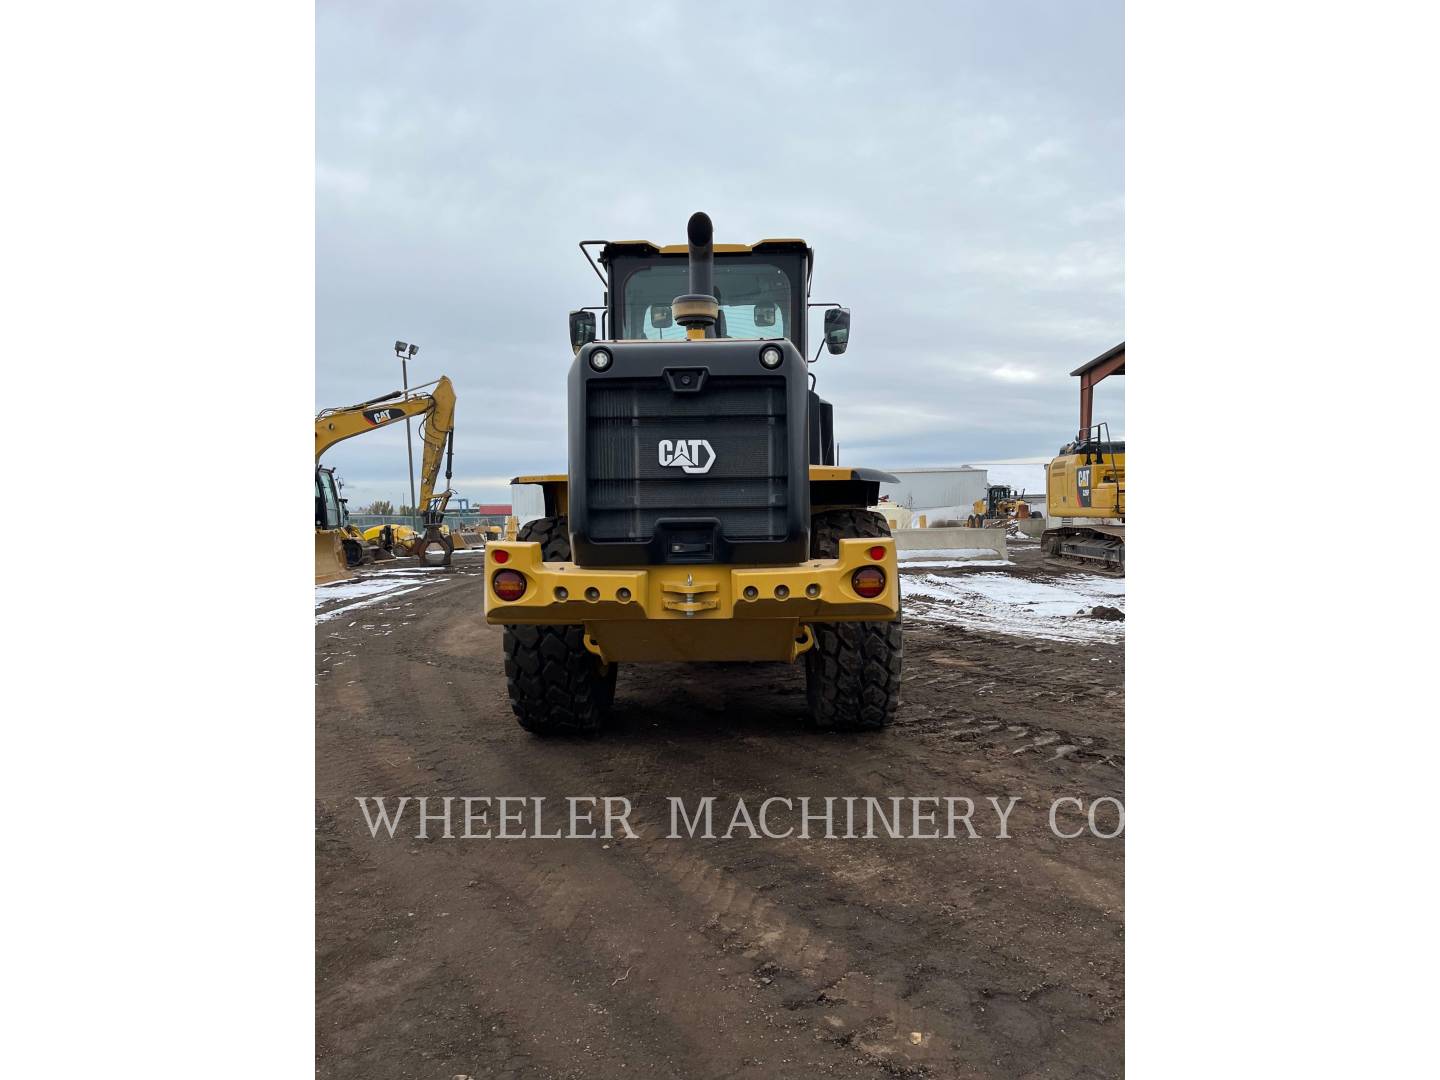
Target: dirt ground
<point>738,958</point>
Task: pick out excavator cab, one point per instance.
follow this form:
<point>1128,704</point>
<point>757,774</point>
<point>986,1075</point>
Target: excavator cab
<point>331,563</point>
<point>329,507</point>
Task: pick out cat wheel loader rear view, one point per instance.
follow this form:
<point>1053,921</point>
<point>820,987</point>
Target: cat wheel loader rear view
<point>339,546</point>
<point>703,516</point>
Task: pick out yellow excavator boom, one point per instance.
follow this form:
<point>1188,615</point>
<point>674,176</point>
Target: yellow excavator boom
<point>438,407</point>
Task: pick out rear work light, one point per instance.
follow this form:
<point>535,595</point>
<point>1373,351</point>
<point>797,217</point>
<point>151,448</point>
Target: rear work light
<point>868,581</point>
<point>508,584</point>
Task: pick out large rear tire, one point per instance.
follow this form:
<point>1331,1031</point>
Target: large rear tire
<point>557,686</point>
<point>853,671</point>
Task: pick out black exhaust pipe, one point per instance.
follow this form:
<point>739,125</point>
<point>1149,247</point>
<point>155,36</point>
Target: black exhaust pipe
<point>698,309</point>
<point>701,236</point>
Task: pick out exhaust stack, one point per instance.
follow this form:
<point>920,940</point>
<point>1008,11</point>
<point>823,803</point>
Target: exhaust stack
<point>698,309</point>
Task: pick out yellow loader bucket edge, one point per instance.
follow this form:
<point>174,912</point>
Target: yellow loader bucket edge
<point>329,557</point>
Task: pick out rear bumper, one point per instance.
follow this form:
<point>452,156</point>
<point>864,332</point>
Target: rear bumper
<point>818,590</point>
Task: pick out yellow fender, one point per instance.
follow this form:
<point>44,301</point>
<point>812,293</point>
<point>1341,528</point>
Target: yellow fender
<point>329,557</point>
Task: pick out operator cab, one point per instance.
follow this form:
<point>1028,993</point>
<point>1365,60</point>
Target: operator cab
<point>762,292</point>
<point>329,506</point>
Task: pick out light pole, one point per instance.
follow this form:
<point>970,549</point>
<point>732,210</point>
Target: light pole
<point>404,352</point>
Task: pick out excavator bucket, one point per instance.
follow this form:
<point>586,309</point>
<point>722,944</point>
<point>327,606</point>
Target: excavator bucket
<point>458,538</point>
<point>329,557</point>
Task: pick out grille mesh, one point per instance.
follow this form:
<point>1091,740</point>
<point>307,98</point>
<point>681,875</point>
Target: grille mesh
<point>628,490</point>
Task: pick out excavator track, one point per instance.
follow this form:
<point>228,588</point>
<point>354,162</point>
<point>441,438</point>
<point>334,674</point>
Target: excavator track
<point>1100,552</point>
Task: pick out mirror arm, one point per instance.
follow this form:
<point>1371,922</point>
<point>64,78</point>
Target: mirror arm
<point>820,304</point>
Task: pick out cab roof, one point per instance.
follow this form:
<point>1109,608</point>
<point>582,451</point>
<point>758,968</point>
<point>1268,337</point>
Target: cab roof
<point>646,247</point>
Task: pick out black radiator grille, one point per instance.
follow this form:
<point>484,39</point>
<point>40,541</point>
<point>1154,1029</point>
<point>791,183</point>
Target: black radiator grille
<point>742,419</point>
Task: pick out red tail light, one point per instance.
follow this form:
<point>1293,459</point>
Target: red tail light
<point>508,584</point>
<point>877,553</point>
<point>868,581</point>
<point>500,555</point>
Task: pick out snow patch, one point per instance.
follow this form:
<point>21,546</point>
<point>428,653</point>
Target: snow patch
<point>1027,607</point>
<point>381,585</point>
<point>948,553</point>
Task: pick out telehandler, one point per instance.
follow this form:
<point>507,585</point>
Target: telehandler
<point>703,517</point>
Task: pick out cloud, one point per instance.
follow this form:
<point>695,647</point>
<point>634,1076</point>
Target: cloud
<point>963,189</point>
<point>1008,373</point>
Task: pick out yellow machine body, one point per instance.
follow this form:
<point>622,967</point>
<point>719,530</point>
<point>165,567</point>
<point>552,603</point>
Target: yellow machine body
<point>700,612</point>
<point>401,534</point>
<point>693,612</point>
<point>1088,487</point>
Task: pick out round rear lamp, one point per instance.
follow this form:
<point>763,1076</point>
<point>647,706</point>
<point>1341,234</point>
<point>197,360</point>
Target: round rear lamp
<point>868,581</point>
<point>877,553</point>
<point>771,357</point>
<point>600,359</point>
<point>500,555</point>
<point>508,584</point>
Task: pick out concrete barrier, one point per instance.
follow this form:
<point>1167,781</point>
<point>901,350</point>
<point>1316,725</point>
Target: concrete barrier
<point>1032,526</point>
<point>983,541</point>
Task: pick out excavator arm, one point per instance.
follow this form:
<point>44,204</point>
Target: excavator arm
<point>436,433</point>
<point>438,407</point>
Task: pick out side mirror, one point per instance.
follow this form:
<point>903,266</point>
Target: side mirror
<point>582,329</point>
<point>660,316</point>
<point>765,314</point>
<point>837,330</point>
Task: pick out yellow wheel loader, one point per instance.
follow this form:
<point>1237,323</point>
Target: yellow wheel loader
<point>703,516</point>
<point>333,533</point>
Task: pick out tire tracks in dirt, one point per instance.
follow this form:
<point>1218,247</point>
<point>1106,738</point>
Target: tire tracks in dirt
<point>843,951</point>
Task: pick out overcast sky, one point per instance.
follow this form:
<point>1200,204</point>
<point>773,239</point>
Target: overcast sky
<point>957,167</point>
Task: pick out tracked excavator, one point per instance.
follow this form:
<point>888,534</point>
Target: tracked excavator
<point>1085,483</point>
<point>339,546</point>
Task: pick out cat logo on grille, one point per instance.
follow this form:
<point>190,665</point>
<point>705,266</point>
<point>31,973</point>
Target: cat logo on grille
<point>691,455</point>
